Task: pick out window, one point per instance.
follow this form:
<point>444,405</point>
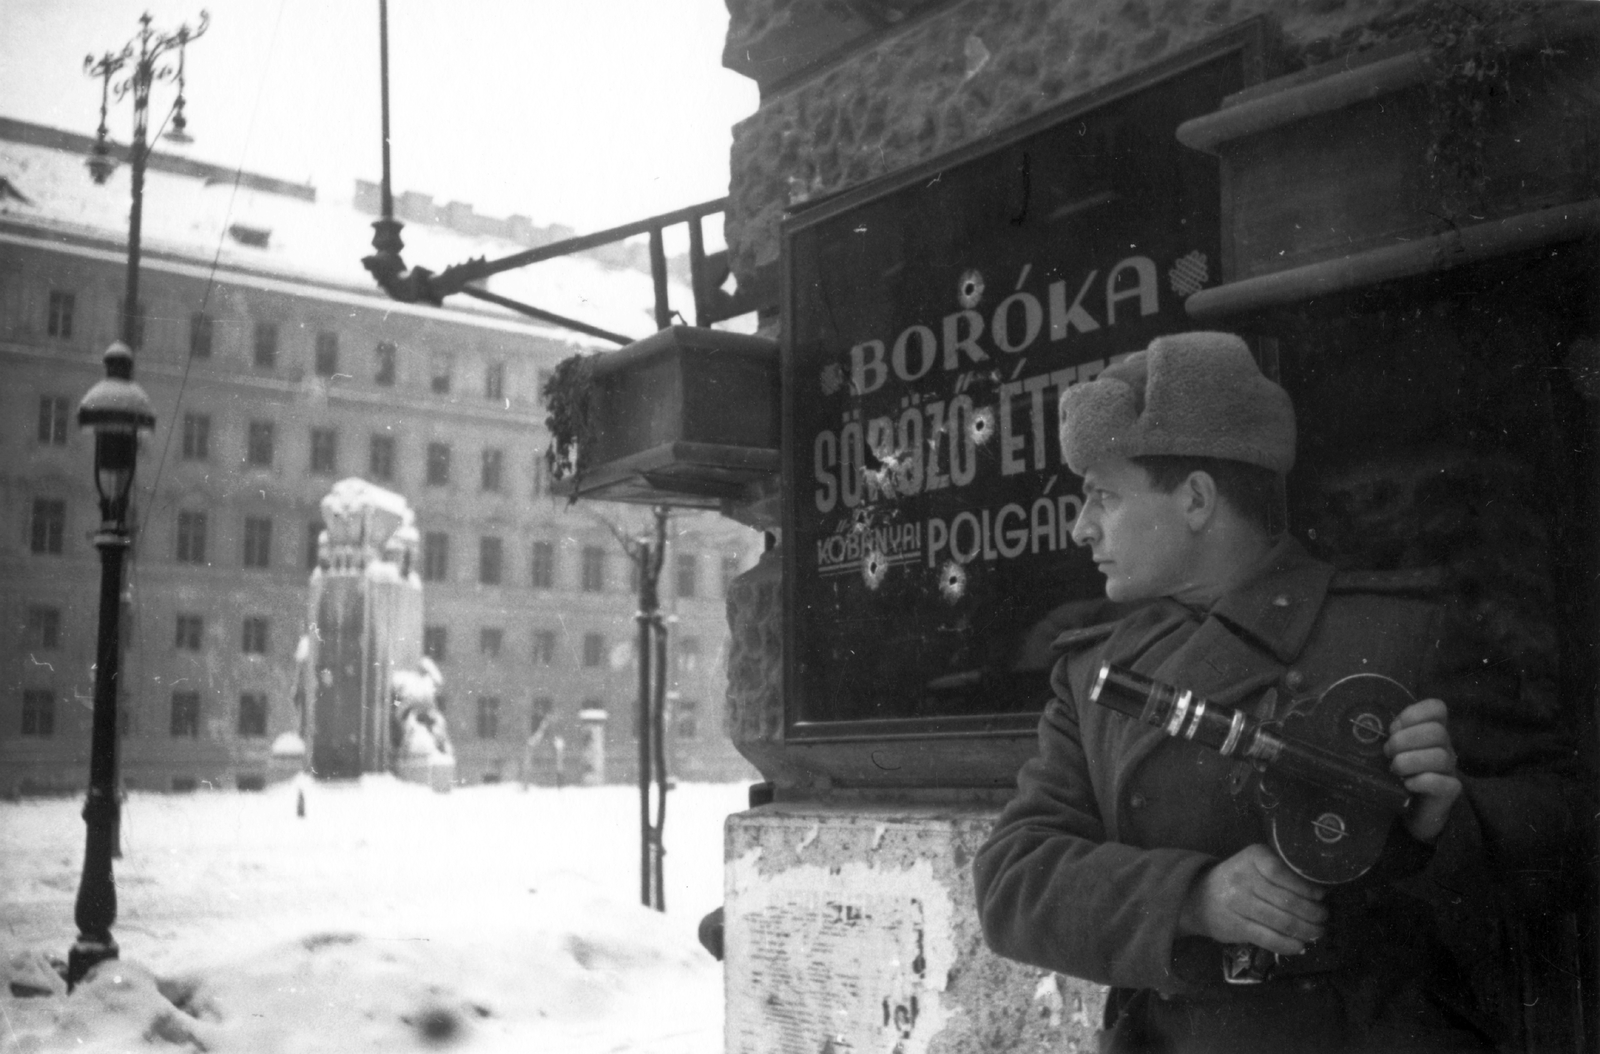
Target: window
<point>490,552</point>
<point>440,373</point>
<point>255,237</point>
<point>594,569</point>
<point>688,655</point>
<point>435,556</point>
<point>200,335</point>
<point>191,628</point>
<point>489,641</point>
<point>327,357</point>
<point>196,437</point>
<point>53,411</point>
<point>685,719</point>
<point>38,712</point>
<point>49,525</point>
<point>44,628</point>
<point>541,476</point>
<point>266,345</point>
<point>59,321</point>
<point>313,544</point>
<point>380,457</point>
<point>493,459</point>
<point>253,641</point>
<point>253,714</point>
<point>544,647</point>
<point>730,571</point>
<point>543,707</point>
<point>325,451</point>
<point>191,537</point>
<point>438,464</point>
<point>544,565</point>
<point>258,541</point>
<point>259,443</point>
<point>435,642</point>
<point>494,381</point>
<point>384,373</point>
<point>688,574</point>
<point>186,715</point>
<point>488,716</point>
<point>594,649</point>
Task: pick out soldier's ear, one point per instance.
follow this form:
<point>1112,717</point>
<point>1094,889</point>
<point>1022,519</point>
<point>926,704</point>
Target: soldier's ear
<point>1199,496</point>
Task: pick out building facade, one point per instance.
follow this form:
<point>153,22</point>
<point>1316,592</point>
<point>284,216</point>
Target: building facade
<point>275,370</point>
<point>974,205</point>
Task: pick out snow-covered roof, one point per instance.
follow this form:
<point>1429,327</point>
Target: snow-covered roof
<point>318,241</point>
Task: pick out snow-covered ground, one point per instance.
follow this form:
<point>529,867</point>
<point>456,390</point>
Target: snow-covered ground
<point>390,918</point>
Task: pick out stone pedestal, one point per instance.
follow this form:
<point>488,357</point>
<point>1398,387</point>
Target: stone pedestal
<point>287,758</point>
<point>852,928</point>
<point>435,770</point>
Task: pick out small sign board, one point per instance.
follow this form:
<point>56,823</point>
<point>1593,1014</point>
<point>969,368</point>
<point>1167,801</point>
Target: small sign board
<point>931,323</point>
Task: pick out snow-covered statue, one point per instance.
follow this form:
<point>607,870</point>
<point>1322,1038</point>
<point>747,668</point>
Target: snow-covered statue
<point>366,622</point>
<point>367,530</point>
<point>420,730</point>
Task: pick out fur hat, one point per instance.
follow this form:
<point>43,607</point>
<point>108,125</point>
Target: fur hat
<point>1189,394</point>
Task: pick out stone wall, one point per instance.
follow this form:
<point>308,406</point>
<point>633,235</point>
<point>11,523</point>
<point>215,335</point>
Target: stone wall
<point>754,715</point>
<point>919,80</point>
<point>852,929</point>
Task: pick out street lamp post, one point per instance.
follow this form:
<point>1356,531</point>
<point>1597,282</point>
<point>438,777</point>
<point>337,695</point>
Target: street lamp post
<point>146,54</point>
<point>117,409</point>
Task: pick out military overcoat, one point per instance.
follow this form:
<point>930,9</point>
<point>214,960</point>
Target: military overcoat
<point>1113,821</point>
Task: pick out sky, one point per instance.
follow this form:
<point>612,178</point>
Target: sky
<point>590,113</point>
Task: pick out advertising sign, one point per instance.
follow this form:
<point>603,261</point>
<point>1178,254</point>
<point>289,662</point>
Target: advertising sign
<point>930,328</point>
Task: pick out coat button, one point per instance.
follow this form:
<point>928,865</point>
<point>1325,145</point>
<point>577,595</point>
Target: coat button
<point>1137,801</point>
<point>1294,679</point>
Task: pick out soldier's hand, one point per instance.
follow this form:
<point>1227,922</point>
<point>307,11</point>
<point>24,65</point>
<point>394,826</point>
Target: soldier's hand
<point>1254,898</point>
<point>1420,753</point>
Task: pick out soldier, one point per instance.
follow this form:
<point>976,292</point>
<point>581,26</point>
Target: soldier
<point>1132,859</point>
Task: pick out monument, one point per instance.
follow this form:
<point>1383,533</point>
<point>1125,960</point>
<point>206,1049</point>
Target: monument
<point>370,694</point>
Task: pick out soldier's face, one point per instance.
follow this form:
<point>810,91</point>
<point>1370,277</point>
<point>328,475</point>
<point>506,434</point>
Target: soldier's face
<point>1139,537</point>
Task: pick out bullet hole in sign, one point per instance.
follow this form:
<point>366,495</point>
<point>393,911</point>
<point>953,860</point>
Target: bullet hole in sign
<point>953,581</point>
<point>874,566</point>
<point>969,291</point>
<point>981,426</point>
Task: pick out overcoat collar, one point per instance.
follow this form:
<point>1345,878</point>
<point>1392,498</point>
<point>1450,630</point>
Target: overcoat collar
<point>1278,602</point>
<point>1271,613</point>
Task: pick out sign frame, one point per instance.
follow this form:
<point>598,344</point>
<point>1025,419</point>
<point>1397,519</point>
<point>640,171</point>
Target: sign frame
<point>936,749</point>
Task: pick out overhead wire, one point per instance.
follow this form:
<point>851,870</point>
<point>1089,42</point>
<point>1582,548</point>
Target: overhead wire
<point>205,300</point>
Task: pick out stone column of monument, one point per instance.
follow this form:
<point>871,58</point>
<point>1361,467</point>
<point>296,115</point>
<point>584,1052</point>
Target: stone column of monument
<point>366,614</point>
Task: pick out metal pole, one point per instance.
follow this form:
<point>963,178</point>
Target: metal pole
<point>142,75</point>
<point>96,907</point>
<point>658,735</point>
<point>658,273</point>
<point>364,748</point>
<point>646,610</point>
<point>383,76</point>
<point>697,272</point>
<point>658,717</point>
